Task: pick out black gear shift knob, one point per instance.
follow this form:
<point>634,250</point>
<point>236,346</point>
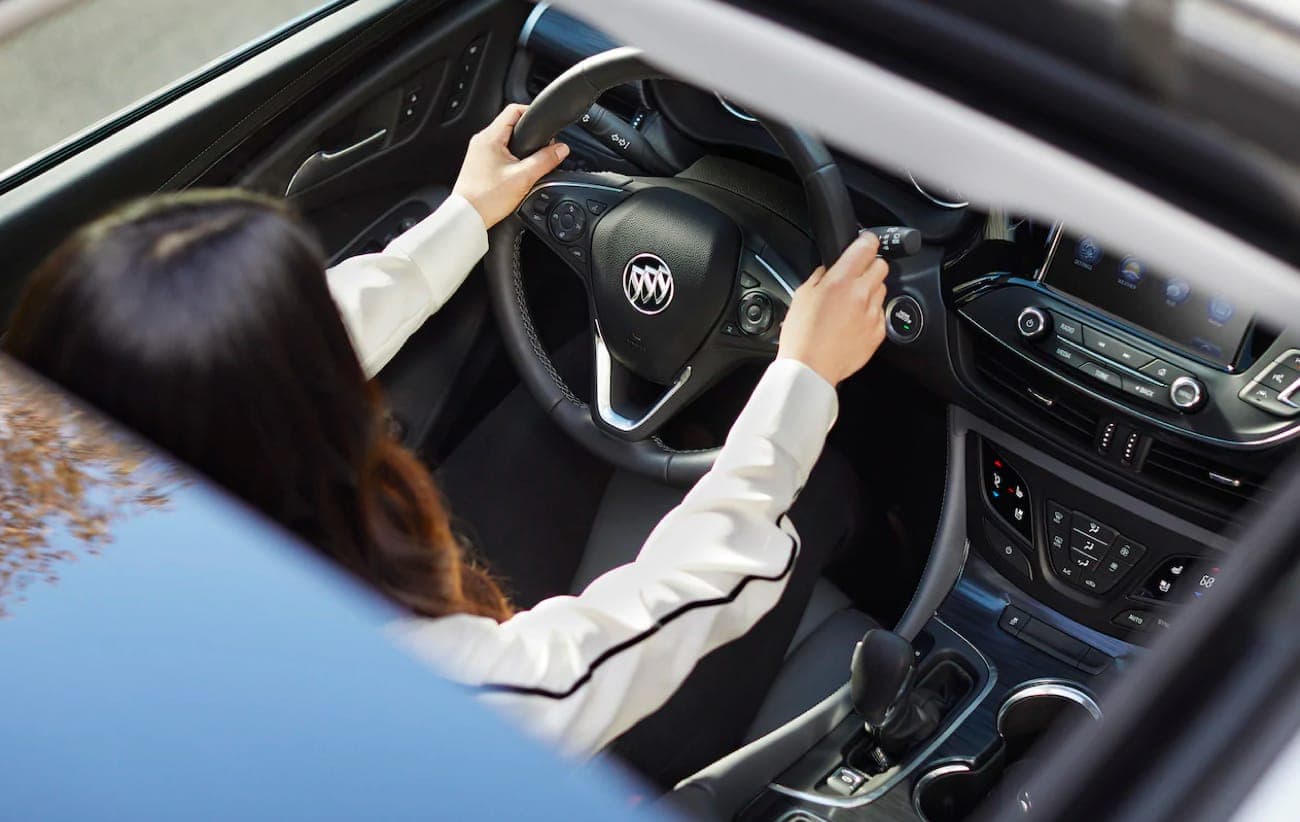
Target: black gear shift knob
<point>881,674</point>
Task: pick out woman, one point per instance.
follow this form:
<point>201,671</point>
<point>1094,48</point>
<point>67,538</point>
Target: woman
<point>206,321</point>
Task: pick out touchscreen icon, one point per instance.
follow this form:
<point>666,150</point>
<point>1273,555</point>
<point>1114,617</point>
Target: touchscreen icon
<point>1221,310</point>
<point>1130,272</point>
<point>1177,291</point>
<point>1087,253</point>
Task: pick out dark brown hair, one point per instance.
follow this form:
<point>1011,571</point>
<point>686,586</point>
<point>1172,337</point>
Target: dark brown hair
<point>203,321</point>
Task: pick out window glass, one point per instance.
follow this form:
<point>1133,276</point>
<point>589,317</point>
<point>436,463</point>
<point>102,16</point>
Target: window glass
<point>96,57</point>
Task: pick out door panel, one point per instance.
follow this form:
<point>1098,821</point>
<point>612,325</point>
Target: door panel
<point>370,107</point>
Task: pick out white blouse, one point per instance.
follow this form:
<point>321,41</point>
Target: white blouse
<point>581,670</point>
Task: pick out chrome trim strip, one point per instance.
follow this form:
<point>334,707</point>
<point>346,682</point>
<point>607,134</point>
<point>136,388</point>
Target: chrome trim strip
<point>917,759</point>
<point>1225,480</point>
<point>1050,687</point>
<point>957,766</point>
<point>605,407</point>
<point>953,204</point>
<point>733,111</point>
<point>776,276</point>
<point>1280,436</point>
<point>595,186</point>
<point>526,32</point>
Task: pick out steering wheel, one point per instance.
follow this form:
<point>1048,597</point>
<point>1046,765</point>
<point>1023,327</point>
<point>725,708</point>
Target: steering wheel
<point>684,280</point>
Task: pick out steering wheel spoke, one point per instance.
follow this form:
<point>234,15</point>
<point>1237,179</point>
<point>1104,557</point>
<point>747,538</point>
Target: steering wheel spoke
<point>563,211</point>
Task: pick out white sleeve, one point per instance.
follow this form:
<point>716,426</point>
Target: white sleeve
<point>385,298</point>
<point>581,670</point>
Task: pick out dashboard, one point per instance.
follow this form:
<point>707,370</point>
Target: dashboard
<point>1133,415</point>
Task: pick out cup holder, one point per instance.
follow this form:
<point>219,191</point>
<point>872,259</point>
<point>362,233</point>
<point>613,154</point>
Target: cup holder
<point>954,791</point>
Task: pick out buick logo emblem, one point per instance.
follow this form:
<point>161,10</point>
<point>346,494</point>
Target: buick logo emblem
<point>648,283</point>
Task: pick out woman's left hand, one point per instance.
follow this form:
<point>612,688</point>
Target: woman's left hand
<point>495,181</point>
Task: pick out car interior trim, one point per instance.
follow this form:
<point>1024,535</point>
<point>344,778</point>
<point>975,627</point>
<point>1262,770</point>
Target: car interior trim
<point>918,757</point>
<point>526,33</point>
<point>972,150</point>
<point>775,274</point>
<point>604,402</point>
<point>1281,436</point>
<point>1053,688</point>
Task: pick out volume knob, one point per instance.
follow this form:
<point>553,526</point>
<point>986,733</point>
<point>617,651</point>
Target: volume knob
<point>1187,394</point>
<point>1034,323</point>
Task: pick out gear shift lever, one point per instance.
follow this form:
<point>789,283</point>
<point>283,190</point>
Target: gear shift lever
<point>881,675</point>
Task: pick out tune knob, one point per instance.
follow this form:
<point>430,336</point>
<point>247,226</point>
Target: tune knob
<point>1034,323</point>
<point>1187,394</point>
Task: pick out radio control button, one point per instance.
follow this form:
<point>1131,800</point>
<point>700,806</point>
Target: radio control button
<point>1163,372</point>
<point>1067,355</point>
<point>1149,391</point>
<point>1101,374</point>
<point>1187,394</point>
<point>1068,327</point>
<point>1113,349</point>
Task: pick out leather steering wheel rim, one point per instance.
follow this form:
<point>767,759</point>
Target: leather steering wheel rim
<point>561,103</point>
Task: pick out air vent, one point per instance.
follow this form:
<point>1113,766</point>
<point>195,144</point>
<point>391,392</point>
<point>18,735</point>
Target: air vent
<point>1042,397</point>
<point>1221,487</point>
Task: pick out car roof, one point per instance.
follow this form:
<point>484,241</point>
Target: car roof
<point>168,653</point>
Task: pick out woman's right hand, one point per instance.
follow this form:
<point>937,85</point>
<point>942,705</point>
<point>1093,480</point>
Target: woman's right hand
<point>837,318</point>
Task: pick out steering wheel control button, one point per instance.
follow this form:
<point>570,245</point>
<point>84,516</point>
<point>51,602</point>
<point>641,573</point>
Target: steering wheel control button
<point>1068,328</point>
<point>748,280</point>
<point>905,319</point>
<point>755,313</point>
<point>568,221</point>
<point>1033,323</point>
<point>1187,394</point>
<point>596,207</point>
<point>1162,372</point>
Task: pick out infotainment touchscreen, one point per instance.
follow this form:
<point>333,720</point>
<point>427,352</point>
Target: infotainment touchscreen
<point>1207,324</point>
